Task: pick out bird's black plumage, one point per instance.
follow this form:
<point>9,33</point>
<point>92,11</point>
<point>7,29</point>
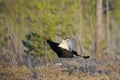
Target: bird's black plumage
<point>63,52</point>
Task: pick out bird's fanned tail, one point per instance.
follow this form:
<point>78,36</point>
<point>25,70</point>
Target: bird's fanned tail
<point>85,57</point>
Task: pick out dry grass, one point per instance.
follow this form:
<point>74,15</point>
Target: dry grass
<point>56,72</point>
<point>14,72</point>
<point>99,72</point>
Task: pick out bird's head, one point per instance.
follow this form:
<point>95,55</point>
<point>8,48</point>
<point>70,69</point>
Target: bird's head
<point>47,39</point>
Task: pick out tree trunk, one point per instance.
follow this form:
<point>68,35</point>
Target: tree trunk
<point>98,28</point>
<point>107,25</point>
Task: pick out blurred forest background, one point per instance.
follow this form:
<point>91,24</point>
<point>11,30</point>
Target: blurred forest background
<point>24,24</point>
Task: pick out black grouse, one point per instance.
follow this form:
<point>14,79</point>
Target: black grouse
<point>65,49</point>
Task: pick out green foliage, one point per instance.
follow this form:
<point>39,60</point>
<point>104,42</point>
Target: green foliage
<point>116,10</point>
<point>32,43</point>
<point>104,44</point>
<point>87,42</point>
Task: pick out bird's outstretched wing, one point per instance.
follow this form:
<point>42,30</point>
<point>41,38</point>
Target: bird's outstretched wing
<point>71,44</point>
<point>68,44</point>
<point>64,45</point>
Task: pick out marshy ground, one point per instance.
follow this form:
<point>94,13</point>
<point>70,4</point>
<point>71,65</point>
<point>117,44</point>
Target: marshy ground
<point>65,69</point>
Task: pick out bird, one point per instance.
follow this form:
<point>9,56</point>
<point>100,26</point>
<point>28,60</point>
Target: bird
<point>65,49</point>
